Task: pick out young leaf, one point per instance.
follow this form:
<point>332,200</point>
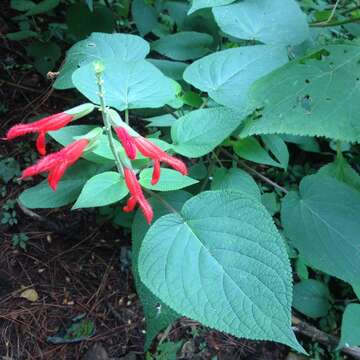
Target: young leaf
<point>158,315</point>
<point>42,197</point>
<point>42,7</point>
<point>342,171</point>
<point>235,180</point>
<point>100,154</point>
<point>222,262</point>
<point>127,85</point>
<point>308,96</point>
<point>350,334</point>
<point>311,297</point>
<point>200,131</point>
<point>102,189</point>
<point>278,148</point>
<point>228,74</point>
<point>170,180</point>
<point>322,221</point>
<point>185,45</point>
<point>276,22</point>
<point>250,149</point>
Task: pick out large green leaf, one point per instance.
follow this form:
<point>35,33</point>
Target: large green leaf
<point>350,326</point>
<point>144,15</point>
<point>184,45</point>
<point>236,180</point>
<point>157,314</point>
<point>222,262</point>
<point>127,84</point>
<point>311,297</point>
<point>170,180</point>
<point>200,131</point>
<point>172,69</point>
<point>201,4</point>
<point>322,221</point>
<point>316,96</point>
<point>41,196</point>
<point>102,189</point>
<point>227,75</point>
<point>101,46</point>
<point>279,22</point>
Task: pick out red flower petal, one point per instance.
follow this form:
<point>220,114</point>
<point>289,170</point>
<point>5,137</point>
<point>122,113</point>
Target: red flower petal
<point>130,205</point>
<point>41,143</point>
<point>156,172</point>
<point>56,174</point>
<point>127,142</point>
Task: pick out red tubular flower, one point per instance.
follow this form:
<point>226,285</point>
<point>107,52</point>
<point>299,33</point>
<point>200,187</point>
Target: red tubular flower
<point>57,163</point>
<point>136,196</point>
<point>50,123</point>
<point>150,150</point>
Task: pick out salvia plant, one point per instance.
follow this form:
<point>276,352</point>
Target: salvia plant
<point>229,97</point>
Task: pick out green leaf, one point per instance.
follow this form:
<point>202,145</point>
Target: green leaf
<point>222,262</point>
<point>201,4</point>
<point>322,221</point>
<point>166,120</point>
<point>278,148</point>
<point>102,189</point>
<point>82,21</point>
<point>45,54</point>
<point>22,5</point>
<point>227,75</point>
<point>236,180</point>
<point>42,197</point>
<point>42,7</point>
<point>350,334</point>
<point>172,69</point>
<point>144,15</point>
<point>158,315</point>
<point>276,22</point>
<point>342,171</point>
<point>270,201</point>
<point>311,297</point>
<point>170,180</point>
<point>100,46</point>
<point>250,149</point>
<point>184,45</point>
<point>200,131</point>
<point>21,35</point>
<point>314,96</point>
<point>127,85</point>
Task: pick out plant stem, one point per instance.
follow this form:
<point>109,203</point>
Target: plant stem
<point>127,116</point>
<point>243,164</point>
<point>162,200</point>
<point>107,123</point>
<point>335,23</point>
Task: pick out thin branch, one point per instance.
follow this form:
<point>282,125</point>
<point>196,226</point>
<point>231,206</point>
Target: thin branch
<point>335,23</point>
<point>244,165</point>
<point>303,328</point>
<point>162,200</point>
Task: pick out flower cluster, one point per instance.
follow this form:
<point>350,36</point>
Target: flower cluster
<point>132,144</point>
<point>57,163</point>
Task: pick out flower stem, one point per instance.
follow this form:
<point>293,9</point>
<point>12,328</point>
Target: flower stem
<point>127,116</point>
<point>107,124</point>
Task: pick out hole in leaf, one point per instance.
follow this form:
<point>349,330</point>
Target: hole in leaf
<point>307,81</point>
<point>91,45</point>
